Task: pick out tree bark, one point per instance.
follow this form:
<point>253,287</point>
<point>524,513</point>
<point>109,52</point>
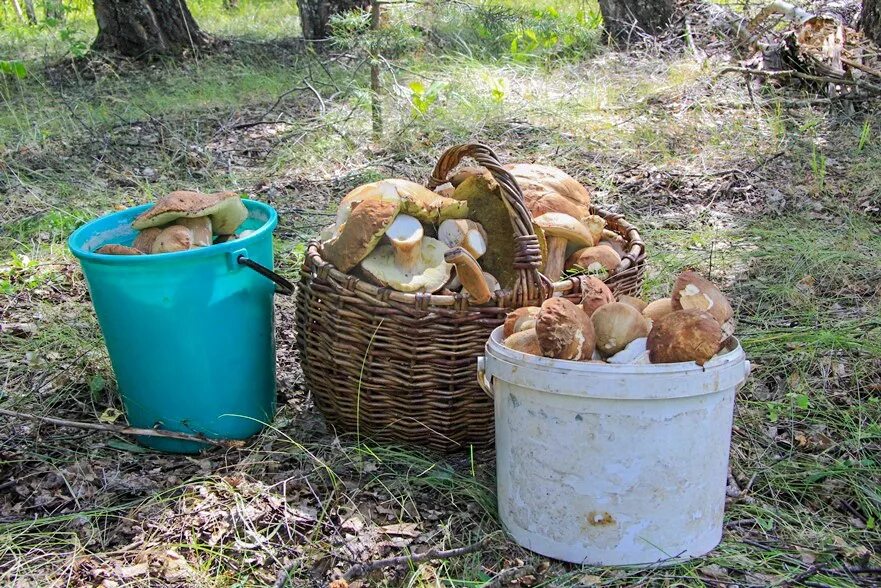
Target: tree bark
<point>146,28</point>
<point>17,7</point>
<point>315,14</point>
<point>870,21</point>
<point>626,19</point>
<point>29,10</point>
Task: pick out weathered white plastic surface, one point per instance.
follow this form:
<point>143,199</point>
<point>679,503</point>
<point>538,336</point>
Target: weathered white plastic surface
<point>612,464</point>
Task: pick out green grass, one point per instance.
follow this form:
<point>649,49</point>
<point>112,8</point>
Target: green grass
<point>656,137</point>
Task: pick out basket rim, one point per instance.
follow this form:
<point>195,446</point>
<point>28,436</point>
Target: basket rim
<point>632,260</point>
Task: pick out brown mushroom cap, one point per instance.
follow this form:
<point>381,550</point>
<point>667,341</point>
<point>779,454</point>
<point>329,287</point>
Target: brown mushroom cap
<point>564,331</point>
<point>594,294</point>
<point>365,227</point>
<point>594,259</point>
<point>172,239</point>
<point>694,292</point>
<point>658,308</point>
<point>525,341</point>
<point>226,210</point>
<point>145,239</point>
<point>616,324</point>
<point>638,303</point>
<point>561,231</point>
<point>416,200</point>
<point>115,249</point>
<point>516,318</point>
<point>684,335</point>
<point>544,182</point>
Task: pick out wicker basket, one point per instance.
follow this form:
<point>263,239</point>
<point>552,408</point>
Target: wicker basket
<point>401,367</point>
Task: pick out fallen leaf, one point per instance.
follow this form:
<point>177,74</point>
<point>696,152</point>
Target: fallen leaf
<point>401,530</point>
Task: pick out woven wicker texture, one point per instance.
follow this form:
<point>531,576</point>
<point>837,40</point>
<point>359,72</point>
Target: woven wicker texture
<point>400,367</point>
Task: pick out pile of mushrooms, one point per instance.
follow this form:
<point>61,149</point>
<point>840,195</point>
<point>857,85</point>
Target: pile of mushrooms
<point>693,324</point>
<point>397,234</point>
<point>184,220</point>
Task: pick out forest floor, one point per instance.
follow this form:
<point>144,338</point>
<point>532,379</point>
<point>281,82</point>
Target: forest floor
<point>772,193</point>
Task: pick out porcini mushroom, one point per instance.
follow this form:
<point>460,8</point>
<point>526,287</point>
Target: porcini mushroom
<point>549,189</point>
<point>595,225</point>
<point>116,249</point>
<point>694,292</point>
<point>144,240</point>
<point>517,320</point>
<point>200,228</point>
<point>358,237</point>
<point>594,294</point>
<point>419,268</point>
<point>614,241</point>
<point>525,341</point>
<point>684,335</point>
<point>637,303</point>
<point>172,239</point>
<point>658,308</point>
<point>602,260</point>
<point>225,209</point>
<point>616,324</point>
<point>416,200</point>
<point>469,273</point>
<point>564,331</point>
<point>463,233</point>
<point>560,230</point>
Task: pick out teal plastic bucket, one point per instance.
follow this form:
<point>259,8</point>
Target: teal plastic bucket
<point>190,334</point>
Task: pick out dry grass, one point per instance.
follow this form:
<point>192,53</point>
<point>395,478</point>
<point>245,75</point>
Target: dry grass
<point>779,203</point>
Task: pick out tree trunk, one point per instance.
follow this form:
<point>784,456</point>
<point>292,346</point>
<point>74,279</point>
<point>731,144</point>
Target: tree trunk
<point>870,21</point>
<point>626,19</point>
<point>29,10</point>
<point>315,14</point>
<point>145,28</point>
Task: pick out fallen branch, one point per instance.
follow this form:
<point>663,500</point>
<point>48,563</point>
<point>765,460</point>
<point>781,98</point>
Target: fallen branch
<point>120,429</point>
<point>432,554</point>
<point>788,74</point>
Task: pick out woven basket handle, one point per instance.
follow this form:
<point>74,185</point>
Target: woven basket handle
<point>531,286</point>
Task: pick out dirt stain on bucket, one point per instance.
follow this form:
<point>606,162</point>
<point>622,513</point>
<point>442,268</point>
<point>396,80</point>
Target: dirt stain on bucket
<point>599,519</point>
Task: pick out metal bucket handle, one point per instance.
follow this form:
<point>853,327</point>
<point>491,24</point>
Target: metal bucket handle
<point>282,286</point>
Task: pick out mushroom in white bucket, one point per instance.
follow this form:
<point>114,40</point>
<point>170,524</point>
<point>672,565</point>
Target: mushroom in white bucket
<point>684,335</point>
<point>564,331</point>
<point>616,324</point>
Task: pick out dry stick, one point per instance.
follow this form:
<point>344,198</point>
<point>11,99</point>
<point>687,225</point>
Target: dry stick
<point>118,429</point>
<point>802,76</point>
<point>431,554</point>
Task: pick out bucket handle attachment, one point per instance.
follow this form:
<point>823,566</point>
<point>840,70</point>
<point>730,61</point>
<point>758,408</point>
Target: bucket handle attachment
<point>282,286</point>
<point>481,377</point>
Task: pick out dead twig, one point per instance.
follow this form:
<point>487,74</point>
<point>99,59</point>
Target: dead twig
<point>788,74</point>
<point>119,429</point>
<point>432,554</point>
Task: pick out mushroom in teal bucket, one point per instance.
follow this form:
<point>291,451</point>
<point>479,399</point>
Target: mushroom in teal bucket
<point>190,332</point>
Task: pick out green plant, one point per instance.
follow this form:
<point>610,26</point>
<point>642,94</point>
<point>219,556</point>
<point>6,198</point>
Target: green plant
<point>818,168</point>
<point>13,68</point>
<point>864,136</point>
<point>74,40</point>
<point>498,90</point>
<point>421,98</point>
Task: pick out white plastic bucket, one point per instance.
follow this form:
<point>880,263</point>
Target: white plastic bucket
<point>612,464</point>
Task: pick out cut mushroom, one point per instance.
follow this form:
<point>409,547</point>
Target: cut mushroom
<point>491,282</point>
<point>595,225</point>
<point>420,269</point>
<point>564,331</point>
<point>226,210</point>
<point>517,320</point>
<point>594,294</point>
<point>617,324</point>
<point>658,308</point>
<point>145,239</point>
<point>600,260</point>
<point>694,292</point>
<point>684,335</point>
<point>525,341</point>
<point>463,233</point>
<point>172,239</point>
<point>446,190</point>
<point>114,249</point>
<point>470,274</point>
<point>614,241</point>
<point>405,234</point>
<point>560,230</point>
<point>633,352</point>
<point>365,227</point>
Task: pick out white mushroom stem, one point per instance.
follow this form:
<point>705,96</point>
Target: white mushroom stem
<point>463,233</point>
<point>556,258</point>
<point>405,234</point>
<point>470,274</point>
